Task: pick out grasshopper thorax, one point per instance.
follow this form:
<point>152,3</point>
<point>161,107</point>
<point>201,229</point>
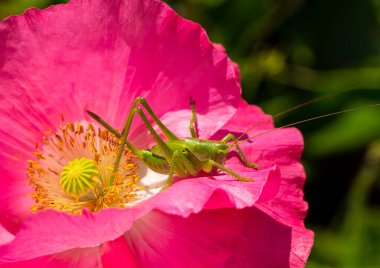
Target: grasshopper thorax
<point>207,149</point>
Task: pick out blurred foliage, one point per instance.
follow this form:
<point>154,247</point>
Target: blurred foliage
<point>292,51</point>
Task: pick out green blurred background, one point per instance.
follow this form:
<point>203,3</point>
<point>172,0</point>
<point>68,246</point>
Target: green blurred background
<point>292,51</point>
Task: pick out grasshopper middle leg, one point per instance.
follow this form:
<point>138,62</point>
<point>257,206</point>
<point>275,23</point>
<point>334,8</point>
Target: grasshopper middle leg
<point>181,165</point>
<point>193,120</point>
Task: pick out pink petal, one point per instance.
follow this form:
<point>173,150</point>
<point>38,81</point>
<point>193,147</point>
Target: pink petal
<point>5,236</point>
<point>51,232</point>
<point>184,198</point>
<point>117,253</point>
<point>51,66</point>
<point>78,258</point>
<point>282,147</point>
<point>56,62</point>
<point>12,185</point>
<point>214,238</point>
<point>193,195</point>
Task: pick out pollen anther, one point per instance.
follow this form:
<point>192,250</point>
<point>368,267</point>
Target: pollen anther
<point>70,172</point>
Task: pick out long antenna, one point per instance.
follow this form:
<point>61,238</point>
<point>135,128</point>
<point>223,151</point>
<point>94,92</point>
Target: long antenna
<point>309,119</point>
<point>353,87</point>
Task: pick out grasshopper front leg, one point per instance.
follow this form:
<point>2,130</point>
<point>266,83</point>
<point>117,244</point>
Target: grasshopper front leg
<point>242,156</point>
<point>208,165</point>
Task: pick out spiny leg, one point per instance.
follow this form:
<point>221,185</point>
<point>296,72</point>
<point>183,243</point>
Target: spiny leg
<point>115,132</point>
<point>107,126</point>
<point>170,135</point>
<point>219,166</point>
<point>186,165</point>
<point>120,153</point>
<point>128,122</point>
<point>179,163</point>
<point>242,156</point>
<point>169,181</point>
<point>118,135</point>
<point>193,119</point>
<point>165,149</point>
<point>127,126</point>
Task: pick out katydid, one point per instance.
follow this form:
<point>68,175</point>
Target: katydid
<point>181,157</point>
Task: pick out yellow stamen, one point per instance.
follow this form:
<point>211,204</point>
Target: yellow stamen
<point>71,171</point>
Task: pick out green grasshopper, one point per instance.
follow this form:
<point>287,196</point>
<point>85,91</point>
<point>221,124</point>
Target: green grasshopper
<point>181,157</point>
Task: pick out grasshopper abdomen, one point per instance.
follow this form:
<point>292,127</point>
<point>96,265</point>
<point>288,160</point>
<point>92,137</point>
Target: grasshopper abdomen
<point>154,162</point>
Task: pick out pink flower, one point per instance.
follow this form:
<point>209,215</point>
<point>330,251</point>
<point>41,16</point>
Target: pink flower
<point>100,55</point>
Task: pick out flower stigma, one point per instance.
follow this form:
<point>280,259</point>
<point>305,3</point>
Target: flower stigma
<point>79,176</point>
<point>75,170</point>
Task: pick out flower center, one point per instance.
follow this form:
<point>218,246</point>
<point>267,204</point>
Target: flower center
<point>75,170</point>
<point>79,176</point>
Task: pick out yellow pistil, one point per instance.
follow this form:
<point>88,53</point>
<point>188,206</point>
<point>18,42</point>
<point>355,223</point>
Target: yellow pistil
<point>72,171</point>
